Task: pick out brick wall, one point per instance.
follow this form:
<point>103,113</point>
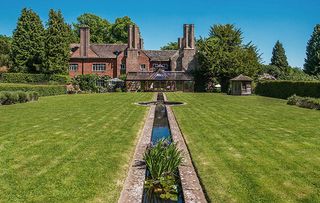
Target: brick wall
<point>85,66</point>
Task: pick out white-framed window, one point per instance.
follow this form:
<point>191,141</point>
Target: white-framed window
<point>100,83</point>
<point>73,67</point>
<point>99,67</point>
<point>143,67</point>
<point>123,66</point>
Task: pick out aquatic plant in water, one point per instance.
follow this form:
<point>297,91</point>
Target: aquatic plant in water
<point>162,161</point>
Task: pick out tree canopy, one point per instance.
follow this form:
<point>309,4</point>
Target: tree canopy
<point>5,47</point>
<point>98,27</point>
<point>57,43</point>
<point>101,30</point>
<point>170,46</point>
<point>27,51</point>
<point>222,55</point>
<point>279,57</point>
<point>118,32</point>
<point>5,44</point>
<point>312,61</point>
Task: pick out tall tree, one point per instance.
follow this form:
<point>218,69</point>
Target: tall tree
<point>170,46</point>
<point>223,56</point>
<point>56,44</point>
<point>118,32</point>
<point>27,43</point>
<point>5,44</point>
<point>312,62</point>
<point>5,47</point>
<point>279,57</point>
<point>98,27</point>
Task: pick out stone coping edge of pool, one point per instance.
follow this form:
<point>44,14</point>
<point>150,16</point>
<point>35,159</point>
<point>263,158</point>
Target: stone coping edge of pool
<point>191,187</point>
<point>132,190</point>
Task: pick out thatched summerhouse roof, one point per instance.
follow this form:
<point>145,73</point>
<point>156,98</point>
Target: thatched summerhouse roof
<point>242,78</point>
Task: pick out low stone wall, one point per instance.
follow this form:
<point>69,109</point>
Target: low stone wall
<point>192,190</point>
<point>133,187</point>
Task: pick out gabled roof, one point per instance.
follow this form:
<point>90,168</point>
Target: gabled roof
<point>99,50</point>
<point>242,78</point>
<point>160,55</point>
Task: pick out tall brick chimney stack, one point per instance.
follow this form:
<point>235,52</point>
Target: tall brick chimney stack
<point>141,44</point>
<point>130,37</point>
<point>188,41</point>
<point>179,43</point>
<point>84,41</point>
<point>186,36</point>
<point>134,40</point>
<point>136,37</point>
<point>191,36</point>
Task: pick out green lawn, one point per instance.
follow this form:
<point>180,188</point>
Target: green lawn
<point>252,149</point>
<point>71,148</point>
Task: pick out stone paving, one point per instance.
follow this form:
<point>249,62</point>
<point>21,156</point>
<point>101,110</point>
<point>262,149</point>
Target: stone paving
<point>133,187</point>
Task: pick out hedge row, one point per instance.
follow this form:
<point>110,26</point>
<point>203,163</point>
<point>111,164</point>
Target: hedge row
<point>285,89</point>
<point>34,78</point>
<point>305,102</point>
<point>43,90</point>
<point>7,98</point>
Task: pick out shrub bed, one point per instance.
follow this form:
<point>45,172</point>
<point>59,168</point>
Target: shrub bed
<point>7,97</point>
<point>285,89</point>
<point>34,78</point>
<point>305,102</point>
<point>43,90</point>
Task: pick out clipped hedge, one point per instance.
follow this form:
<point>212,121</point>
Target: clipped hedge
<point>8,98</point>
<point>304,102</point>
<point>34,78</point>
<point>283,89</point>
<point>43,90</point>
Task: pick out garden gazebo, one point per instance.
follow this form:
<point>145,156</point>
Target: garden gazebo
<point>241,85</point>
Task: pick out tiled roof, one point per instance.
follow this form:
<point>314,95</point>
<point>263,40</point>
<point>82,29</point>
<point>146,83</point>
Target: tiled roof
<point>242,78</point>
<point>160,55</point>
<point>101,50</point>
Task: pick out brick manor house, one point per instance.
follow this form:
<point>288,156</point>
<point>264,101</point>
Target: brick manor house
<point>146,70</point>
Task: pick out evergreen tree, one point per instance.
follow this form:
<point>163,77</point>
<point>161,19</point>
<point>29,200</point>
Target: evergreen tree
<point>27,49</point>
<point>222,56</point>
<point>56,44</point>
<point>312,62</point>
<point>279,57</point>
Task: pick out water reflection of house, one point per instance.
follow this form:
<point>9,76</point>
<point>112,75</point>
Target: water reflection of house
<point>166,69</point>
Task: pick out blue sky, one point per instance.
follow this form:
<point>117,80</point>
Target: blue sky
<point>262,22</point>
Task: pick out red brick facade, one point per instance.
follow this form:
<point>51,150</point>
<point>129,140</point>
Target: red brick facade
<point>85,66</point>
<point>117,59</point>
